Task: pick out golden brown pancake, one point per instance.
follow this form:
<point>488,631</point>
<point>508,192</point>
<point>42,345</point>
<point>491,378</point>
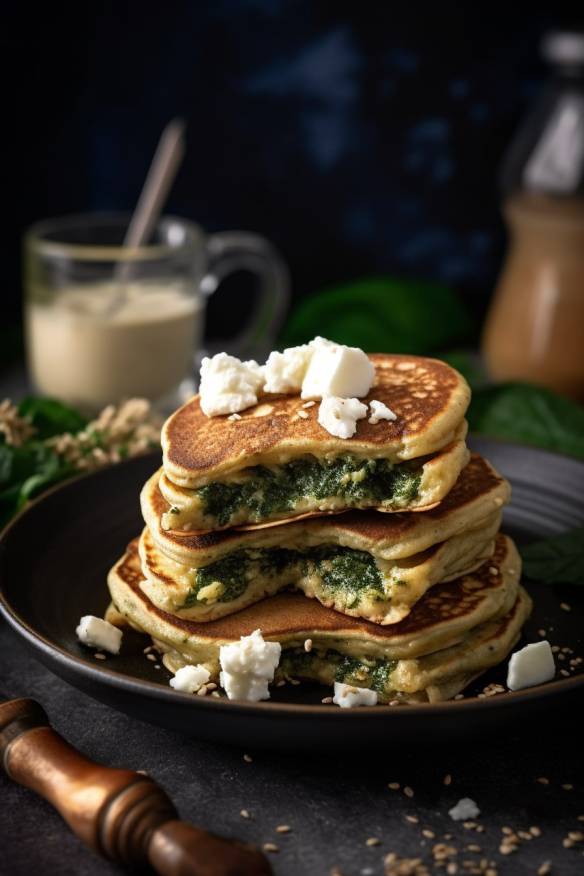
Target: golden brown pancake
<point>479,614</point>
<point>429,397</point>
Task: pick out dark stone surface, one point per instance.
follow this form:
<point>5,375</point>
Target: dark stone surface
<point>332,805</point>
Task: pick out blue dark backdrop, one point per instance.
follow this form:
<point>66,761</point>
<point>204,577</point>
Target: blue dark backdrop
<point>362,137</point>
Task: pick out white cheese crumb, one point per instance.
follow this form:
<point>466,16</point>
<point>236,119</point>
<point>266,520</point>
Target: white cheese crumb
<point>229,385</point>
<point>334,369</point>
<point>339,415</point>
<point>248,666</point>
<point>189,679</point>
<point>532,665</point>
<point>464,810</point>
<point>284,372</point>
<point>379,411</point>
<point>98,633</point>
<point>347,696</point>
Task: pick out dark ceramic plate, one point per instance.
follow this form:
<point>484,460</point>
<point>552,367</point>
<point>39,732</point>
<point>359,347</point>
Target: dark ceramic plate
<point>53,564</point>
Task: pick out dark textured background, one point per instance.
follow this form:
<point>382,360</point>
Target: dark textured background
<point>361,137</point>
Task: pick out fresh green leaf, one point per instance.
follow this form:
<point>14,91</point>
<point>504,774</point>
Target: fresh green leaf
<point>17,464</point>
<point>528,415</point>
<point>556,560</point>
<point>379,313</point>
<point>51,417</point>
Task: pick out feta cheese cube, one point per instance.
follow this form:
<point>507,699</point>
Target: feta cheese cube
<point>229,385</point>
<point>248,666</point>
<point>347,696</point>
<point>339,415</point>
<point>532,665</point>
<point>97,633</point>
<point>379,411</point>
<point>337,370</point>
<point>464,810</point>
<point>188,679</point>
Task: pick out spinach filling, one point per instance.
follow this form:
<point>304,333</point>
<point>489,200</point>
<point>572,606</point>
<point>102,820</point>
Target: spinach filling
<point>368,672</point>
<point>270,492</point>
<point>344,572</point>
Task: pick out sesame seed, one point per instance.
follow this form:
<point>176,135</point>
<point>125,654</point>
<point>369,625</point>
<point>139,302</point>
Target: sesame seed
<point>308,645</point>
<point>413,819</point>
<point>408,791</point>
<point>283,828</point>
<point>542,633</point>
<point>429,834</point>
<point>303,415</point>
<point>452,868</point>
<point>543,781</point>
<point>308,404</point>
<point>470,825</point>
<point>270,847</point>
<point>535,831</point>
<point>245,813</point>
<point>326,701</point>
<point>545,869</point>
<point>576,835</point>
<point>157,666</point>
<point>447,780</point>
<point>565,673</point>
<point>202,691</point>
<point>99,656</point>
<point>281,683</point>
<point>567,843</point>
<point>373,841</point>
<point>565,607</point>
<point>148,649</point>
<point>459,696</point>
<point>248,758</point>
<point>234,417</point>
<point>211,686</point>
<point>216,694</point>
<point>294,682</point>
<point>152,657</point>
<point>493,570</point>
<point>524,835</point>
<point>394,786</point>
<point>507,831</point>
<point>472,847</point>
<point>568,787</point>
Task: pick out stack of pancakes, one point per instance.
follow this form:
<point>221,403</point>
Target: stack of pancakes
<point>374,560</point>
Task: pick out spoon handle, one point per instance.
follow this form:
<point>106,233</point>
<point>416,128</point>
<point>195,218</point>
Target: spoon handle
<point>123,815</point>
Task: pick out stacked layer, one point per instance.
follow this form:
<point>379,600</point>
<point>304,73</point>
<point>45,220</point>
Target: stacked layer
<point>251,524</point>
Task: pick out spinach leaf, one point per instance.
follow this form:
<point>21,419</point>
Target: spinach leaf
<point>51,417</point>
<point>556,560</point>
<point>529,415</point>
<point>380,313</point>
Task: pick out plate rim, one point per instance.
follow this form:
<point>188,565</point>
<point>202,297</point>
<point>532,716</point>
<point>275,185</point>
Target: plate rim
<point>157,691</point>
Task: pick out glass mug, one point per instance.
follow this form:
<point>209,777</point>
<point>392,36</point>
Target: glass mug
<point>105,322</point>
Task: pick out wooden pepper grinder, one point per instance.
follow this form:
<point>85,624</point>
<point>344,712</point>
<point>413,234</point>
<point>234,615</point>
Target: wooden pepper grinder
<point>120,814</point>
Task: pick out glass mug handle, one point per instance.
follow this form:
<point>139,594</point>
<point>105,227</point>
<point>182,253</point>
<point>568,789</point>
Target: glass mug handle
<point>230,251</point>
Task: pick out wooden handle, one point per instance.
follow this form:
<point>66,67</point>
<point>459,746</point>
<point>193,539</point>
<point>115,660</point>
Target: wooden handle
<point>122,815</point>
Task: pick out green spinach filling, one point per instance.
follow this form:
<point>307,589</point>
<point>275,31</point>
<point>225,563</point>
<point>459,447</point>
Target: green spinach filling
<point>344,572</point>
<point>269,492</point>
<point>367,672</point>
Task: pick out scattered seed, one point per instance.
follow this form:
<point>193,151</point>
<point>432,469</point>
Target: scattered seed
<point>202,691</point>
<point>303,415</point>
<point>524,835</point>
<point>408,791</point>
<point>394,786</point>
<point>567,843</point>
<point>234,417</point>
<point>459,696</point>
<point>152,657</point>
<point>565,607</point>
<point>283,828</point>
<point>248,758</point>
<point>545,869</point>
<point>373,841</point>
<point>568,787</point>
<point>327,700</point>
<point>270,847</point>
<point>542,633</point>
<point>99,656</point>
<point>413,819</point>
<point>543,781</point>
<point>447,780</point>
<point>472,847</point>
<point>308,645</point>
<point>429,834</point>
<point>216,694</point>
<point>576,835</point>
<point>535,831</point>
<point>245,813</point>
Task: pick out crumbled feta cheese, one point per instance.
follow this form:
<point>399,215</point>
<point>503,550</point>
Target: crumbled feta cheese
<point>379,411</point>
<point>98,633</point>
<point>229,385</point>
<point>337,370</point>
<point>339,415</point>
<point>464,810</point>
<point>248,666</point>
<point>189,679</point>
<point>284,372</point>
<point>532,665</point>
<point>347,696</point>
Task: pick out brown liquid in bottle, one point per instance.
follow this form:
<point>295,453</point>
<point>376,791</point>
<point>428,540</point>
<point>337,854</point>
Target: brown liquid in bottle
<point>535,327</point>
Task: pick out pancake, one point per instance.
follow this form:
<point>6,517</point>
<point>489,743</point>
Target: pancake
<point>455,632</point>
<point>309,486</point>
<point>429,397</point>
<point>375,565</point>
<point>276,461</point>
